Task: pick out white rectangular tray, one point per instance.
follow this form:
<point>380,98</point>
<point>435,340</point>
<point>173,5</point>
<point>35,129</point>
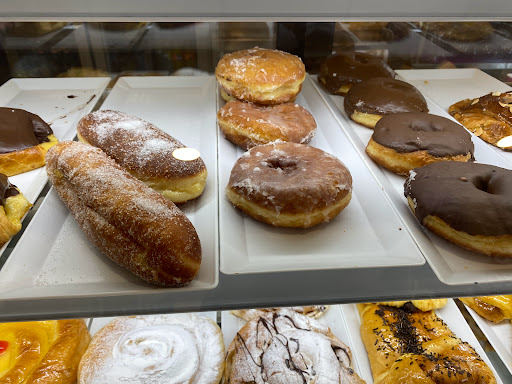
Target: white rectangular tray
<point>54,258</point>
<point>452,264</point>
<point>450,315</point>
<point>448,86</point>
<point>334,318</point>
<point>61,102</point>
<point>499,336</point>
<point>368,233</point>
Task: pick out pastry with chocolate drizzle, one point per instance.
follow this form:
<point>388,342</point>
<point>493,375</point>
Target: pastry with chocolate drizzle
<point>288,348</point>
<point>24,140</point>
<point>13,206</point>
<point>489,117</point>
<point>408,346</point>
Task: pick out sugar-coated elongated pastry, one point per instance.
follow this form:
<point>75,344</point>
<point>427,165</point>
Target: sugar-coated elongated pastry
<point>132,224</point>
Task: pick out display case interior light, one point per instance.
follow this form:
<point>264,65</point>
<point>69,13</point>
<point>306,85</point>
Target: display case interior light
<point>506,142</point>
<point>186,154</point>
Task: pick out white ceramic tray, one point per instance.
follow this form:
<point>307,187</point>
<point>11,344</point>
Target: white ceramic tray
<point>97,323</point>
<point>53,258</point>
<point>59,102</point>
<point>498,334</point>
<point>451,263</point>
<point>368,233</point>
<point>448,86</point>
<point>450,315</point>
<point>335,318</point>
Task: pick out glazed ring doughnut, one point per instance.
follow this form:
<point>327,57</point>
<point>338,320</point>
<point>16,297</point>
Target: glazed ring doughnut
<point>289,185</point>
<point>367,102</point>
<point>262,76</point>
<point>338,72</point>
<point>489,117</point>
<point>466,203</point>
<point>248,125</point>
<point>405,141</point>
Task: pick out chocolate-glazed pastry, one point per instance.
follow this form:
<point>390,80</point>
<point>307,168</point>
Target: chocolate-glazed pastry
<point>368,101</point>
<point>407,346</point>
<point>13,208</point>
<point>287,348</point>
<point>466,203</point>
<point>404,141</point>
<point>24,140</point>
<point>338,72</point>
<point>488,117</point>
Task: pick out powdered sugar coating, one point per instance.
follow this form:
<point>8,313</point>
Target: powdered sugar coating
<point>129,222</point>
<point>257,124</point>
<point>169,349</point>
<point>285,347</point>
<point>290,177</point>
<point>139,146</point>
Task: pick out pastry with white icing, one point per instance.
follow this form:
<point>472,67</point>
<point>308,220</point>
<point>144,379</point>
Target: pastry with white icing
<point>288,348</point>
<point>313,311</point>
<point>163,349</point>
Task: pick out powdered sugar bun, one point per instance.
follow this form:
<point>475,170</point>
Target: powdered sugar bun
<point>288,348</point>
<point>166,349</point>
<point>146,152</point>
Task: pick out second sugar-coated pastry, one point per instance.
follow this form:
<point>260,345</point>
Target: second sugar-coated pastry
<point>368,101</point>
<point>259,75</point>
<point>404,141</point>
<point>146,152</point>
<point>13,206</point>
<point>161,349</point>
<point>42,352</point>
<point>248,125</point>
<point>488,117</point>
<point>338,72</point>
<point>411,347</point>
<point>314,311</point>
<point>24,140</point>
<point>129,222</point>
<point>289,185</point>
<point>493,308</point>
<point>287,348</point>
<point>466,203</point>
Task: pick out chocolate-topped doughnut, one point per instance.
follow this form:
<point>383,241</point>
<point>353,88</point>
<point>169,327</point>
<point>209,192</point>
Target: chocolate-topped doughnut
<point>338,72</point>
<point>466,203</point>
<point>404,141</point>
<point>289,185</point>
<point>488,117</point>
<point>248,124</point>
<point>24,140</point>
<point>263,76</point>
<point>366,102</point>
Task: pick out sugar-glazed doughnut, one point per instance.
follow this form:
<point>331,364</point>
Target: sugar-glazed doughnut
<point>259,75</point>
<point>248,124</point>
<point>404,141</point>
<point>368,101</point>
<point>289,185</point>
<point>466,203</point>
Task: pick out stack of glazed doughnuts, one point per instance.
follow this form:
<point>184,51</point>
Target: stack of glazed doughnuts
<point>260,86</point>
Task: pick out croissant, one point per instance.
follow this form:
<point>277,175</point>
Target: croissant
<point>313,311</point>
<point>285,347</point>
<point>42,352</point>
<point>416,347</point>
<point>422,305</point>
<point>494,308</point>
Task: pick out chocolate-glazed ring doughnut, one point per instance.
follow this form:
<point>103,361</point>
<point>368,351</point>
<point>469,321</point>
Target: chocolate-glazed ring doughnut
<point>466,203</point>
<point>404,141</point>
<point>368,101</point>
<point>338,72</point>
<point>289,185</point>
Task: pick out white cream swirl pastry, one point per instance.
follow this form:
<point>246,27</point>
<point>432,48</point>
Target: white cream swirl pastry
<point>170,349</point>
<point>288,348</point>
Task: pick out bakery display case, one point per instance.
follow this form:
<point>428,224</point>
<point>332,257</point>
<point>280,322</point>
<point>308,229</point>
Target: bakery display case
<point>159,65</point>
